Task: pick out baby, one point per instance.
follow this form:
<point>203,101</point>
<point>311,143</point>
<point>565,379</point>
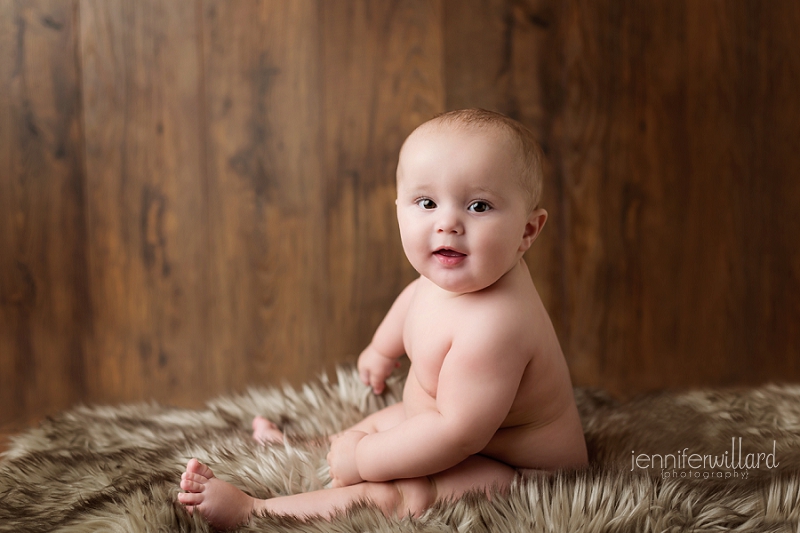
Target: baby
<point>488,394</point>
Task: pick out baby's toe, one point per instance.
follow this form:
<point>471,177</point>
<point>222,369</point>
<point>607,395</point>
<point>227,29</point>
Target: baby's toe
<point>194,477</point>
<point>196,467</point>
<point>190,498</point>
<point>191,486</point>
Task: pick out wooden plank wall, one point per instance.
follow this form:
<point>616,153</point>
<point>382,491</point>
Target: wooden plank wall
<point>196,197</point>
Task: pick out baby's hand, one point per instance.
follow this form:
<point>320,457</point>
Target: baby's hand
<point>374,368</point>
<point>342,459</point>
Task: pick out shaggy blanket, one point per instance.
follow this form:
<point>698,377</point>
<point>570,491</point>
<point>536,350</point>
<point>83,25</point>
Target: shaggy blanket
<point>708,460</point>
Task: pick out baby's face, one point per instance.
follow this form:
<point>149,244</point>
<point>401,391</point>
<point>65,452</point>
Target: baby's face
<point>461,211</point>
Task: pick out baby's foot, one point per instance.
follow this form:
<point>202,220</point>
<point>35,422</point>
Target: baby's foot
<point>219,502</point>
<point>266,432</point>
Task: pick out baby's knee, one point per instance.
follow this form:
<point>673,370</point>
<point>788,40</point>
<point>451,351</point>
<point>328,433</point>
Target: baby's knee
<point>403,497</point>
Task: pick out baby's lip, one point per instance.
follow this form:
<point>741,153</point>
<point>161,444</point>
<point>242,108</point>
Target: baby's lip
<point>448,252</point>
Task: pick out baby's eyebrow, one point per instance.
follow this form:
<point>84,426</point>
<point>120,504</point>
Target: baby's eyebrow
<point>484,190</point>
<point>418,191</point>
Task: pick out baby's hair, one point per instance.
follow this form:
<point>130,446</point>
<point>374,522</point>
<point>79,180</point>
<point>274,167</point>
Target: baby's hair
<point>528,149</point>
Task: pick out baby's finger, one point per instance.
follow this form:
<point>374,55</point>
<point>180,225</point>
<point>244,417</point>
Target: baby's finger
<point>377,384</point>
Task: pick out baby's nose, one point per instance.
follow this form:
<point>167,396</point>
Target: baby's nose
<point>449,223</point>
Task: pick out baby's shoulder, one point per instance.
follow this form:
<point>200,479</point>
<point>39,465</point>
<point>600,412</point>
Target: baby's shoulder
<point>507,302</point>
<point>499,318</point>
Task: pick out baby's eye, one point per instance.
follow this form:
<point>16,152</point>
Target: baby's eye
<point>479,207</point>
<point>426,203</point>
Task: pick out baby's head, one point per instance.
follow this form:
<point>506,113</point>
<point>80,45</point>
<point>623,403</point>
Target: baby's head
<point>506,133</point>
<point>468,189</point>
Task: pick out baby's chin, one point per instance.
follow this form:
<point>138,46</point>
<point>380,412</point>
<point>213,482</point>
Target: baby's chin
<point>462,286</point>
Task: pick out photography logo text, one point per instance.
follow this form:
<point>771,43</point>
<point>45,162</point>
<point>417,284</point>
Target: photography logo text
<point>686,463</point>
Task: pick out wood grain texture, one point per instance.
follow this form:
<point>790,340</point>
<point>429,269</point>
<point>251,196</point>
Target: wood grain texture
<point>757,156</point>
<point>44,314</point>
<point>677,192</point>
<point>146,200</point>
<point>266,231</point>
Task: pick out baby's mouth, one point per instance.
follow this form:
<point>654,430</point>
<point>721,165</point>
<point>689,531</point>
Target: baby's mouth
<point>448,257</point>
<point>447,252</point>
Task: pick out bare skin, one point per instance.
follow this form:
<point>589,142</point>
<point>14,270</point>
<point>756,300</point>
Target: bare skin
<point>266,432</point>
<point>488,393</point>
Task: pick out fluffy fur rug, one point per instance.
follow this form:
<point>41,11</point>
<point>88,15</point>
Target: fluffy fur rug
<point>699,461</point>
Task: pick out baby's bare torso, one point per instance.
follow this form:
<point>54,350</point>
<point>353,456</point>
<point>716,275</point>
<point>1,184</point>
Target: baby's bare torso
<point>542,429</point>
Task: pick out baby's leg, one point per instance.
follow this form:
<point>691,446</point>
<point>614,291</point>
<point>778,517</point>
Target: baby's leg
<point>225,506</point>
<point>403,497</point>
<point>474,473</point>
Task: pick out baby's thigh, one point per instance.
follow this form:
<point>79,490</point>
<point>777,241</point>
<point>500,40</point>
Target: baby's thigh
<point>386,418</point>
<point>474,473</point>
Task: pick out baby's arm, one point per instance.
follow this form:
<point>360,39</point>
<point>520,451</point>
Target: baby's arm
<point>379,359</point>
<point>477,386</point>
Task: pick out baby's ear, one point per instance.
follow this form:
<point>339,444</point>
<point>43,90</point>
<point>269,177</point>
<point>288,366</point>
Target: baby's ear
<point>533,227</point>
